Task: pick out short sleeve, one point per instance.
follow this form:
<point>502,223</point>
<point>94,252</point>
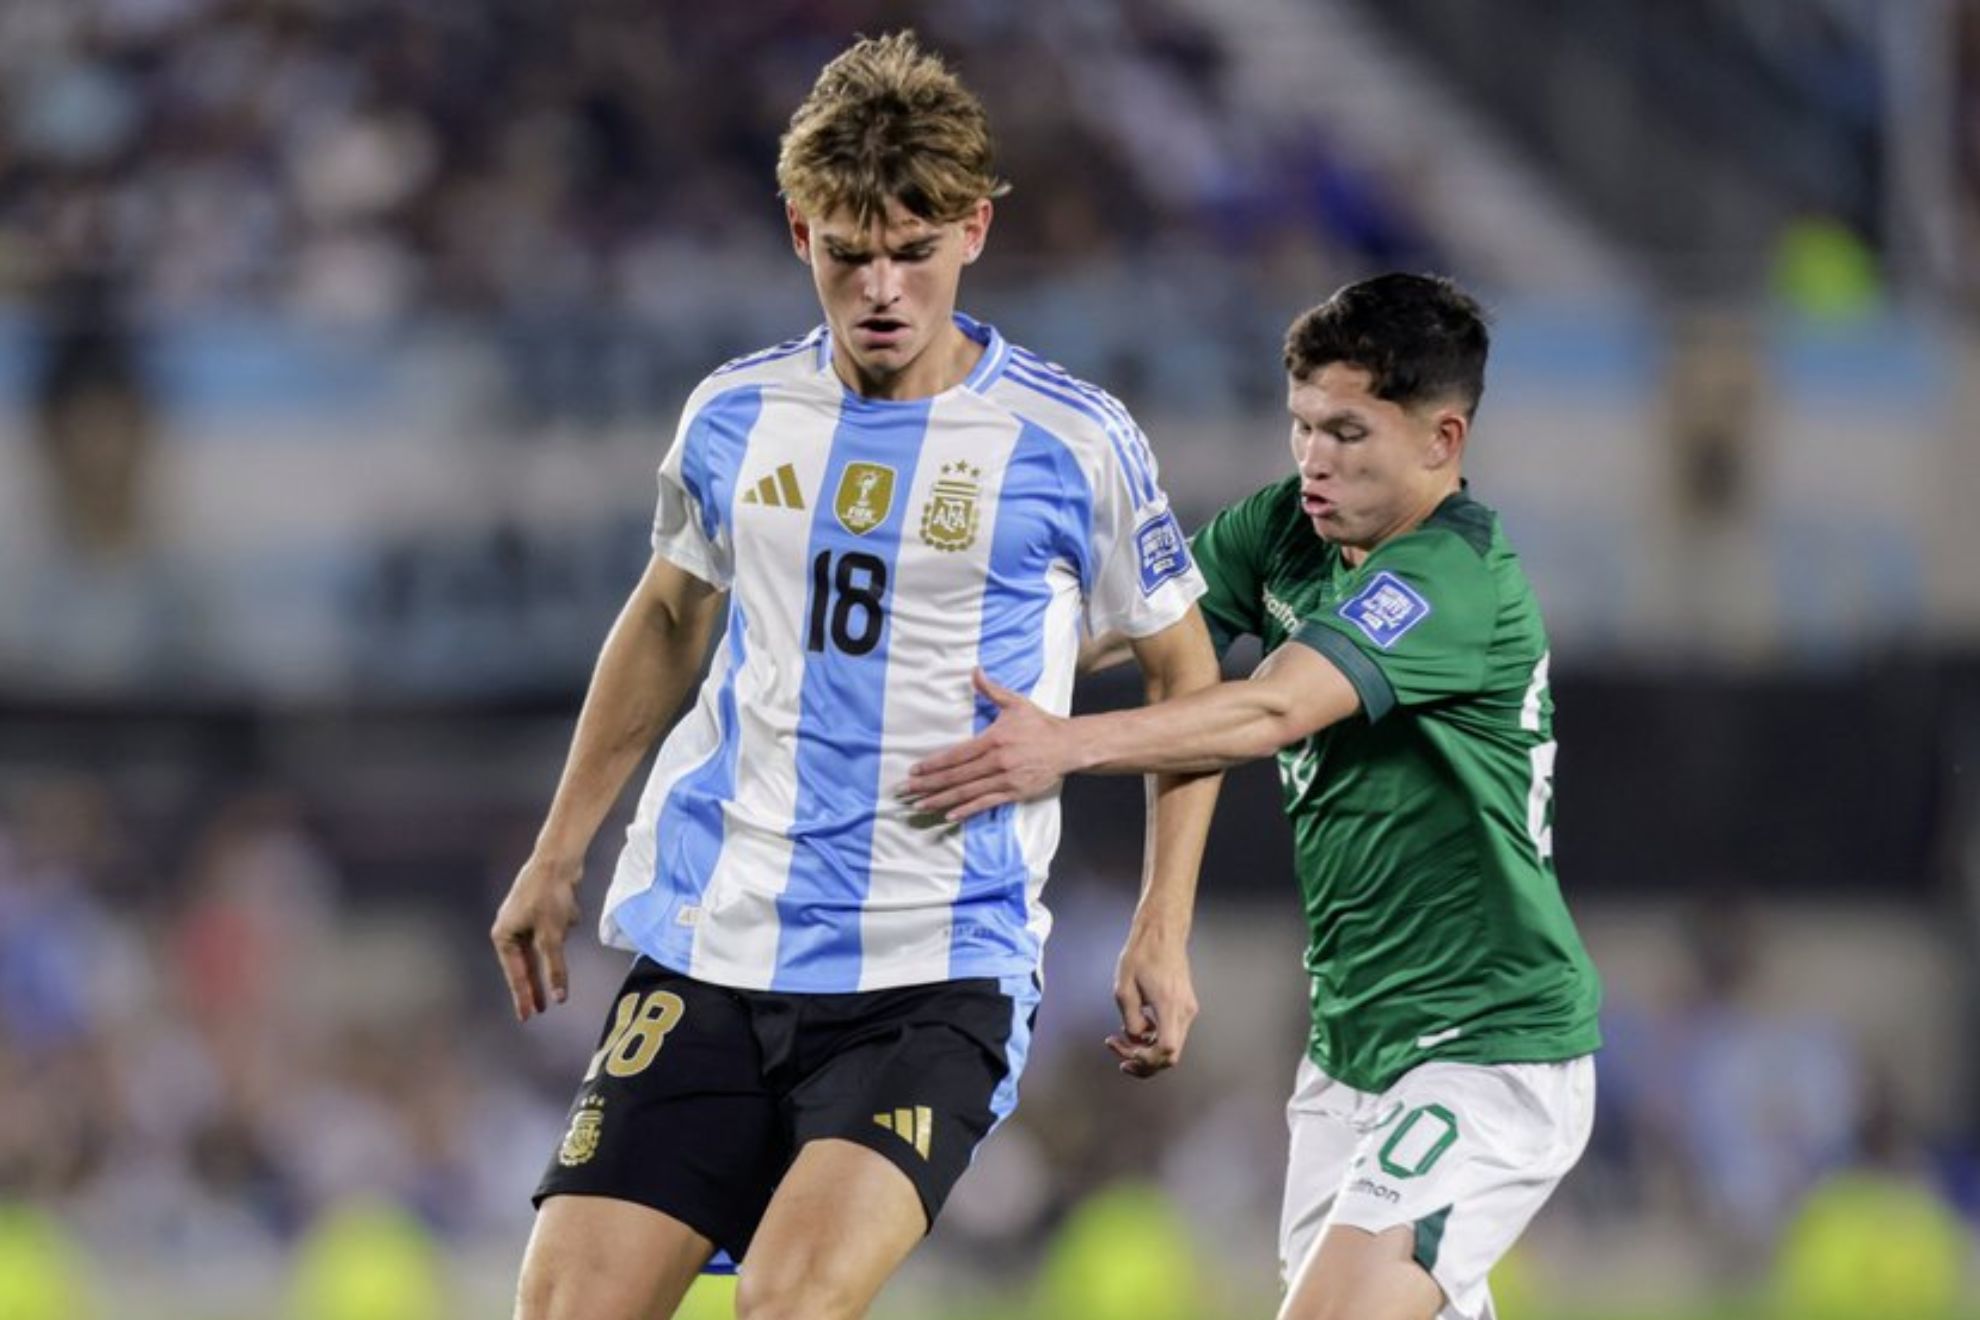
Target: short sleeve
<point>689,526</point>
<point>1413,625</point>
<point>1231,552</point>
<point>1144,577</point>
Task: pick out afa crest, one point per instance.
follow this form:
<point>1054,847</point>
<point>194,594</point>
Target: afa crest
<point>949,520</point>
<point>581,1140</point>
<point>866,497</point>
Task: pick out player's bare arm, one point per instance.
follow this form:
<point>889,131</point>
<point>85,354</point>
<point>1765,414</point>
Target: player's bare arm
<point>1295,692</point>
<point>1104,652</point>
<point>644,672</point>
<point>1152,986</point>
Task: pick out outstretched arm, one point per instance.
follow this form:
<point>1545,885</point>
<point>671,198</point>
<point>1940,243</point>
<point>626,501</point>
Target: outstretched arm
<point>1293,693</point>
<point>649,661</point>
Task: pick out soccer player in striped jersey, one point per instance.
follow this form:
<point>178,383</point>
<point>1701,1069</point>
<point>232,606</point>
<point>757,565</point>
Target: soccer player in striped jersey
<point>1448,1084</point>
<point>833,992</point>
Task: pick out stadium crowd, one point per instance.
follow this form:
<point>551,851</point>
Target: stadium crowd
<point>232,1030</point>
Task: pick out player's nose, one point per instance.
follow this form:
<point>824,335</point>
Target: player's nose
<point>883,282</point>
<point>1312,459</point>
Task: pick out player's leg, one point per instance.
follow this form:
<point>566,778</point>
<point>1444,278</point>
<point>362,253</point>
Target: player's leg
<point>896,1090</point>
<point>841,1223</point>
<point>673,1148</point>
<point>1353,1274</point>
<point>1321,1123</point>
<point>596,1256</point>
<point>1461,1159</point>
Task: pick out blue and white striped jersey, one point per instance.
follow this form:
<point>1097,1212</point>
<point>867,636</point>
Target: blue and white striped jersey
<point>873,552</point>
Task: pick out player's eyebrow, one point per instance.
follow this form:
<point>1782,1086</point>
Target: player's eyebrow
<point>1333,420</point>
<point>845,249</point>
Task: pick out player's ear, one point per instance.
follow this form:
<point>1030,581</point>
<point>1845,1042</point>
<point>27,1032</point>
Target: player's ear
<point>1450,429</point>
<point>976,229</point>
<point>800,232</point>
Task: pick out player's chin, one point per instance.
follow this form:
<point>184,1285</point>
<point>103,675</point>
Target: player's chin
<point>884,359</point>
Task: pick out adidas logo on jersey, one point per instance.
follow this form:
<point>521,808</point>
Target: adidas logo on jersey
<point>915,1126</point>
<point>779,490</point>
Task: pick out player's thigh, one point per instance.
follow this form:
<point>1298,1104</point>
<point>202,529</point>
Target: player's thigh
<point>1353,1274</point>
<point>1321,1147</point>
<point>1464,1158</point>
<point>898,1090</point>
<point>606,1259</point>
<point>920,1076</point>
<point>841,1223</point>
<point>673,1113</point>
<point>598,1258</point>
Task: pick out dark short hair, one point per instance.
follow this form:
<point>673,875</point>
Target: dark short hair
<point>1419,337</point>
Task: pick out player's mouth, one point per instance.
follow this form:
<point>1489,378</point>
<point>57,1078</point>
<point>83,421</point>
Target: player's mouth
<point>1315,505</point>
<point>881,331</point>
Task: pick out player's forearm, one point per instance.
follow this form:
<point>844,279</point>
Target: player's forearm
<point>1209,730</point>
<point>1179,812</point>
<point>1179,805</point>
<point>644,671</point>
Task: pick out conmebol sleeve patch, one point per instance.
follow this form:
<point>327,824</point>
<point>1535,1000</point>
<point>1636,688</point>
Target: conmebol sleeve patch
<point>1164,552</point>
<point>1384,609</point>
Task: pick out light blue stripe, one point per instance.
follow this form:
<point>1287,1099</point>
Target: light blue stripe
<point>1023,993</point>
<point>688,836</point>
<point>1056,389</point>
<point>842,717</point>
<point>713,455</point>
<point>1143,454</point>
<point>995,352</point>
<point>1044,511</point>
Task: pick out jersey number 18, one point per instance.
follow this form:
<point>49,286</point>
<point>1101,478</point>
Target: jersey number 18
<point>853,595</point>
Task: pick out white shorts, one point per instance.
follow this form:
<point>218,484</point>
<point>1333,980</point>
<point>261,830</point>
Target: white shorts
<point>1467,1153</point>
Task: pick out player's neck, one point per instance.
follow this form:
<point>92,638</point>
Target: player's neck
<point>938,368</point>
<point>1354,555</point>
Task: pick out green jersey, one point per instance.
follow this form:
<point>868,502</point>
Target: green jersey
<point>1422,827</point>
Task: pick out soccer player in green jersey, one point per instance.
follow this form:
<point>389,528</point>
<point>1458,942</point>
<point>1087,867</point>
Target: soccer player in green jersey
<point>1448,1083</point>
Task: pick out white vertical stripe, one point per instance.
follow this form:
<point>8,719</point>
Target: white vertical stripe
<point>735,940</point>
<point>694,740</point>
<point>937,603</point>
<point>1038,822</point>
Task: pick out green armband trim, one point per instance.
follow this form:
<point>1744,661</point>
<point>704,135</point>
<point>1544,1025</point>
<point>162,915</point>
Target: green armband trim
<point>1378,698</point>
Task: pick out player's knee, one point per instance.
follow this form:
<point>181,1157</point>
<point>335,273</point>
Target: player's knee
<point>554,1288</point>
<point>542,1295</point>
<point>792,1291</point>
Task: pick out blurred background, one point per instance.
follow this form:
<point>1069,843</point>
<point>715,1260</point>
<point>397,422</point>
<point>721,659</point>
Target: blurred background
<point>339,340</point>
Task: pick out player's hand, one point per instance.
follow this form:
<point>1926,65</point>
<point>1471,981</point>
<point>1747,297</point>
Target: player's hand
<point>1157,1001</point>
<point>529,933</point>
<point>1017,758</point>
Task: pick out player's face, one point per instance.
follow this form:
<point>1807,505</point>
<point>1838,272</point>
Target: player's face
<point>1369,469</point>
<point>889,294</point>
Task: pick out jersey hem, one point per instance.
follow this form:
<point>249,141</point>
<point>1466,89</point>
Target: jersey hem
<point>1554,1049</point>
<point>683,556</point>
<point>997,970</point>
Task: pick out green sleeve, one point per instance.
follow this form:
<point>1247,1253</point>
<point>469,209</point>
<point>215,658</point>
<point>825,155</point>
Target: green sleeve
<point>1231,551</point>
<point>1414,623</point>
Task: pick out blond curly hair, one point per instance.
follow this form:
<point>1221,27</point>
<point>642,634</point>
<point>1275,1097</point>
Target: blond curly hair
<point>888,120</point>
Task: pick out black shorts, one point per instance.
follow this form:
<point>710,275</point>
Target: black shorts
<point>700,1096</point>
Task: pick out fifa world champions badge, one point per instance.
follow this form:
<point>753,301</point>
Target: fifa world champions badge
<point>949,519</point>
<point>866,497</point>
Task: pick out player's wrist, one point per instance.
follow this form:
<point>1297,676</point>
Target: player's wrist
<point>1159,921</point>
<point>558,858</point>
